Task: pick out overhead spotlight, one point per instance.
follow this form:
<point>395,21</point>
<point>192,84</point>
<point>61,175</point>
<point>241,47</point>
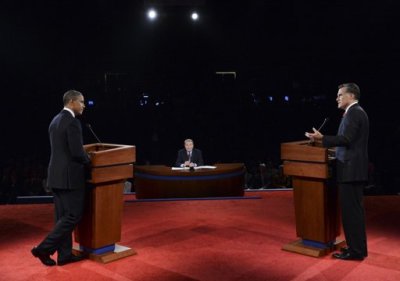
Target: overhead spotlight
<point>144,100</point>
<point>195,16</point>
<point>152,14</point>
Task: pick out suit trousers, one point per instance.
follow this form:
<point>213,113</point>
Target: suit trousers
<point>68,212</point>
<point>353,217</point>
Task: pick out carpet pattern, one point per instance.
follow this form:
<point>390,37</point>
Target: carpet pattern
<point>205,240</point>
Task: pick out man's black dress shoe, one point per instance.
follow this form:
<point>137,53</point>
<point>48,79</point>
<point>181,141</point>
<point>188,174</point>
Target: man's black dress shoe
<point>71,259</point>
<point>344,249</point>
<point>347,249</point>
<point>44,257</point>
<point>347,256</point>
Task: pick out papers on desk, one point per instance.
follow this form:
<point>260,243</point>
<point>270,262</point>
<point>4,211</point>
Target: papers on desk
<point>196,168</point>
<point>204,167</point>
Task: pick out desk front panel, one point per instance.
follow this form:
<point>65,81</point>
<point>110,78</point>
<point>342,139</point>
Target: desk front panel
<point>162,182</point>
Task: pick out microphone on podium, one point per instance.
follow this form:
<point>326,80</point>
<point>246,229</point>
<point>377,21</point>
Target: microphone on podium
<point>323,124</point>
<point>309,135</point>
<point>93,133</point>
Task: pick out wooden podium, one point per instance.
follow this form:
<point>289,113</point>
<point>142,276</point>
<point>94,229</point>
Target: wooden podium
<point>315,198</point>
<point>100,227</point>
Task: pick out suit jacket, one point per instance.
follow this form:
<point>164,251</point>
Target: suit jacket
<point>352,146</point>
<point>196,157</point>
<point>68,158</point>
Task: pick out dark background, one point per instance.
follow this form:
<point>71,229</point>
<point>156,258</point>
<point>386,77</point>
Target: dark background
<point>110,52</point>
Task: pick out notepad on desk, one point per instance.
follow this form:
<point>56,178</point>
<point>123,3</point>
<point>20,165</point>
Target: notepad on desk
<point>196,168</point>
<point>204,167</point>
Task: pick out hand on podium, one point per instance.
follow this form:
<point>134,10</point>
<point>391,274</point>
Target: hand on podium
<point>316,136</point>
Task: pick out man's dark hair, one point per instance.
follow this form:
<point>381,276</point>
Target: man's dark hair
<point>351,88</point>
<point>71,95</point>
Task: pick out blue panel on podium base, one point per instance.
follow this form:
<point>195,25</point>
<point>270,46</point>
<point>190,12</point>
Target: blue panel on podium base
<point>317,244</point>
<point>98,251</point>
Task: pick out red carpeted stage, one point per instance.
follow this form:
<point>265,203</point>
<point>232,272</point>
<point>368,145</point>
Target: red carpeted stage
<point>205,240</point>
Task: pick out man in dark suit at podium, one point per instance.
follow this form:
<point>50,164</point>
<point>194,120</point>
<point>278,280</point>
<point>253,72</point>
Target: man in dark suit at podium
<point>66,178</point>
<point>352,169</point>
<point>189,156</point>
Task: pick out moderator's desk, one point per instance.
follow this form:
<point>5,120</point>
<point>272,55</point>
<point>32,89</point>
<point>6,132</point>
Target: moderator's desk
<point>162,182</point>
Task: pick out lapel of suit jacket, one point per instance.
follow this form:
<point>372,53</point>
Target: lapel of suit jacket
<point>344,119</point>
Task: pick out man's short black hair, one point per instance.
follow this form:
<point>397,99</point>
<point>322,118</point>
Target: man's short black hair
<point>351,88</point>
<point>71,95</point>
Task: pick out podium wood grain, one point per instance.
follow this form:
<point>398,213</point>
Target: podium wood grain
<point>315,197</point>
<point>111,166</point>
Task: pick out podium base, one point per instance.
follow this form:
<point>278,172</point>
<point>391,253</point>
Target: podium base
<point>298,247</point>
<point>118,253</point>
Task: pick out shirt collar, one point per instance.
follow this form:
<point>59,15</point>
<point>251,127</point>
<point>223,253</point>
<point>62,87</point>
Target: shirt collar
<point>69,110</point>
<point>350,106</point>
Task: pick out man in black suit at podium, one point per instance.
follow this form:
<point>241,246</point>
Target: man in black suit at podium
<point>352,169</point>
<point>189,156</point>
<point>66,178</point>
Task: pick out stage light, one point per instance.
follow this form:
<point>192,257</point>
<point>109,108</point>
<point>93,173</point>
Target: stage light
<point>90,103</point>
<point>195,16</point>
<point>144,100</point>
<point>152,14</point>
<point>286,98</point>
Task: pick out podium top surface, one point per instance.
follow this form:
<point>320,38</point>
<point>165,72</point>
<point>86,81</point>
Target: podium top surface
<point>304,151</point>
<point>106,154</point>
